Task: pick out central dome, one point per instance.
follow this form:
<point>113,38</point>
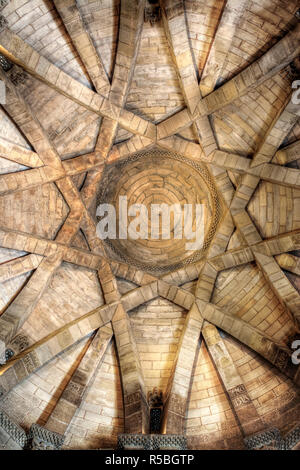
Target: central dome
<point>153,178</point>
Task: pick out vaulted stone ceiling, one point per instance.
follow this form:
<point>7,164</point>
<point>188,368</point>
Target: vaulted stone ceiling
<point>193,102</point>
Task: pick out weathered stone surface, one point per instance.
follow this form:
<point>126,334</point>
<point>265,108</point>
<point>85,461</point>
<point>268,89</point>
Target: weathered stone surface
<point>76,389</point>
<point>151,442</point>
<point>233,383</point>
<point>21,366</point>
<point>278,354</point>
<point>280,284</point>
<point>271,439</point>
<point>179,385</point>
<point>287,154</point>
<point>280,128</point>
<point>12,436</point>
<point>216,62</point>
<point>136,413</point>
<point>43,439</point>
<point>72,69</point>
<point>84,45</point>
<point>274,60</point>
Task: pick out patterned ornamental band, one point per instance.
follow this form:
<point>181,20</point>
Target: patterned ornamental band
<point>272,439</point>
<point>152,441</point>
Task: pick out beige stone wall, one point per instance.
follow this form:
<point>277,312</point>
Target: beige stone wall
<point>157,179</point>
<point>294,134</point>
<point>244,292</point>
<point>101,18</point>
<point>155,72</point>
<point>11,287</point>
<point>33,400</point>
<point>39,210</point>
<point>275,397</point>
<point>10,131</point>
<point>202,19</point>
<point>241,125</point>
<point>100,417</point>
<point>37,22</point>
<point>261,23</point>
<point>72,292</point>
<point>210,421</point>
<point>71,127</point>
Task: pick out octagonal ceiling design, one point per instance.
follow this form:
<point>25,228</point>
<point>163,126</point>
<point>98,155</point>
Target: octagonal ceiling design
<point>170,101</point>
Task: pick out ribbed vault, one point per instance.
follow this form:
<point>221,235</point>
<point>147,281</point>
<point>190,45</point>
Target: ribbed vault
<point>173,101</point>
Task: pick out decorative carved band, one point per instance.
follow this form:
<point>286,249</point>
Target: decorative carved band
<point>155,403</point>
<point>19,343</point>
<point>152,441</point>
<point>239,396</point>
